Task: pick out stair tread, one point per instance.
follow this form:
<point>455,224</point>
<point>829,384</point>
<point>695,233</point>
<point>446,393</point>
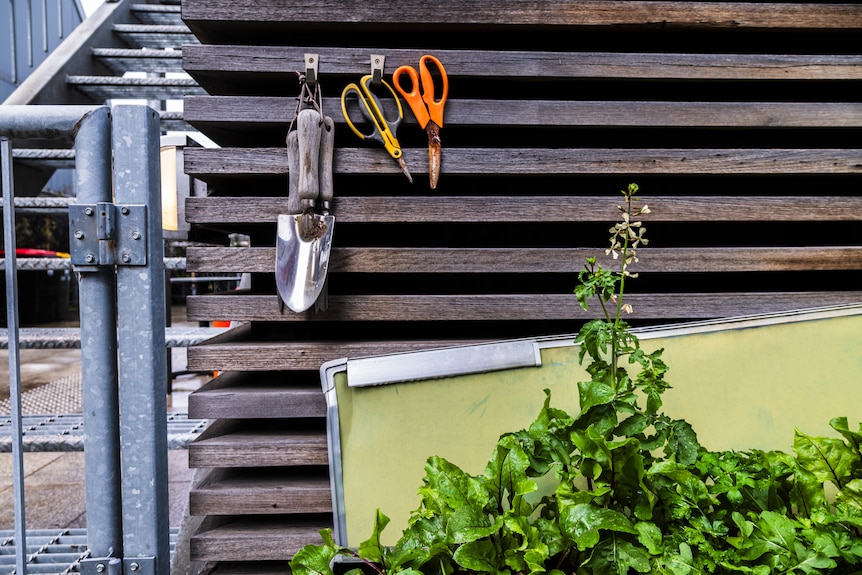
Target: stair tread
<point>260,538</point>
<point>262,491</point>
<point>243,396</point>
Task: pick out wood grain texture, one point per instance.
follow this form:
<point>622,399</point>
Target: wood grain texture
<point>461,307</point>
<point>259,449</point>
<point>535,260</point>
<point>259,111</point>
<point>454,209</point>
<point>206,163</point>
<point>227,397</point>
<point>201,60</point>
<point>250,492</point>
<point>528,12</point>
<point>258,538</point>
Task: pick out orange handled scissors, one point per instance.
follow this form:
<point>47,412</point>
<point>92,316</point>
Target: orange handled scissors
<point>383,129</point>
<point>427,109</point>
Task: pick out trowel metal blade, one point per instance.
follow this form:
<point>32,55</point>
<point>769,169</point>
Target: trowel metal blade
<point>301,264</point>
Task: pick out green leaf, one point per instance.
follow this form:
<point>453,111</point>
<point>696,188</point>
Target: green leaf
<point>315,559</point>
<point>851,495</point>
<point>650,537</point>
<point>582,523</point>
<point>469,524</point>
<point>593,394</point>
<point>371,549</point>
<point>827,458</point>
<point>616,556</point>
<point>839,424</point>
<point>448,486</point>
<point>481,556</point>
<point>682,444</point>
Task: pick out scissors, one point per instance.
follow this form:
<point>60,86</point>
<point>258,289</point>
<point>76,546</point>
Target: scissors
<point>428,111</point>
<point>384,129</point>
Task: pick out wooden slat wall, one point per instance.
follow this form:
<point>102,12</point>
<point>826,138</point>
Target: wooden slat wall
<point>741,123</point>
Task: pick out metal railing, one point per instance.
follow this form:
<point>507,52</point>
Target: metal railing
<point>116,249</point>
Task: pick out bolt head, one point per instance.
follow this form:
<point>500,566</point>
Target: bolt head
<point>79,234</point>
<point>136,235</point>
<point>100,568</point>
<point>89,212</point>
<point>90,258</point>
<point>127,258</point>
<point>134,566</point>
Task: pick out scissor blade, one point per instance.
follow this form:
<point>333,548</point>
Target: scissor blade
<point>434,153</point>
<point>403,165</point>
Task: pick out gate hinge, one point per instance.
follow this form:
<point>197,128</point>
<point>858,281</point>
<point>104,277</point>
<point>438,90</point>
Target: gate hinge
<point>105,234</point>
<point>101,566</point>
<point>117,566</point>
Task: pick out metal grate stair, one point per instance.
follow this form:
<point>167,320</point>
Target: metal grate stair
<point>149,67</point>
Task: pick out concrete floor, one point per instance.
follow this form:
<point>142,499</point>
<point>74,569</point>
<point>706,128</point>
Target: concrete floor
<point>54,482</point>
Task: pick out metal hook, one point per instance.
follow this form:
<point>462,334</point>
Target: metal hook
<point>311,70</point>
<point>377,63</point>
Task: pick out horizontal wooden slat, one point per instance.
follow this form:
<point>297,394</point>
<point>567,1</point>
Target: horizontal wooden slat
<point>449,209</point>
<point>733,15</point>
<point>462,307</point>
<point>237,395</point>
<point>203,60</point>
<point>205,163</point>
<point>268,448</point>
<point>535,260</point>
<point>257,112</point>
<point>252,492</point>
<point>304,355</point>
<point>258,539</point>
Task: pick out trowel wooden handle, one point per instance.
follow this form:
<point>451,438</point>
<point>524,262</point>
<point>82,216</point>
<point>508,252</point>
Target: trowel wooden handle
<point>327,143</point>
<point>308,130</point>
<point>294,204</point>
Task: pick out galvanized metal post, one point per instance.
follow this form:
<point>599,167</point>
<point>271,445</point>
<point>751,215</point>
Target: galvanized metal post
<point>99,374</point>
<point>14,354</point>
<point>142,354</point>
<point>27,122</point>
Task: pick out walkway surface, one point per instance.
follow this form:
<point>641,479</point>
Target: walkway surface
<point>54,481</point>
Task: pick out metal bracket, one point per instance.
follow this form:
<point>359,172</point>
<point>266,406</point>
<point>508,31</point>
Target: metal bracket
<point>101,566</point>
<point>378,62</point>
<point>311,69</point>
<point>105,234</point>
<point>139,565</point>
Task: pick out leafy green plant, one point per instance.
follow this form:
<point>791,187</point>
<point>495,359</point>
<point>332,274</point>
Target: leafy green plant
<point>635,491</point>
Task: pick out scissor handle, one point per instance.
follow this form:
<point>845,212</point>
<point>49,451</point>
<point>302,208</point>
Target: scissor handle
<point>425,107</point>
<point>372,110</point>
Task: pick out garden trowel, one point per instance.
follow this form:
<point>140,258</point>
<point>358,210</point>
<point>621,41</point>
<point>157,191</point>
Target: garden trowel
<point>304,235</point>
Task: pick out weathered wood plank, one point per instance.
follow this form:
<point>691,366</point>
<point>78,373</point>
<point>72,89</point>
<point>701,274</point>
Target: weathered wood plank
<point>260,448</point>
<point>255,112</point>
<point>306,355</point>
<point>535,260</point>
<point>203,60</point>
<point>263,538</point>
<point>205,163</point>
<point>451,209</point>
<point>310,355</point>
<point>256,491</point>
<point>517,307</point>
<point>554,13</point>
<point>236,395</point>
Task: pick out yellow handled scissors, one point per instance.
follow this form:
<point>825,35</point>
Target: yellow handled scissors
<point>383,129</point>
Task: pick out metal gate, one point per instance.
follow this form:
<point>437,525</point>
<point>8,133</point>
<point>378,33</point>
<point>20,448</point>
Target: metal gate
<point>116,249</point>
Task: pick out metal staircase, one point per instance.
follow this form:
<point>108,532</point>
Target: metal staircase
<point>124,51</point>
